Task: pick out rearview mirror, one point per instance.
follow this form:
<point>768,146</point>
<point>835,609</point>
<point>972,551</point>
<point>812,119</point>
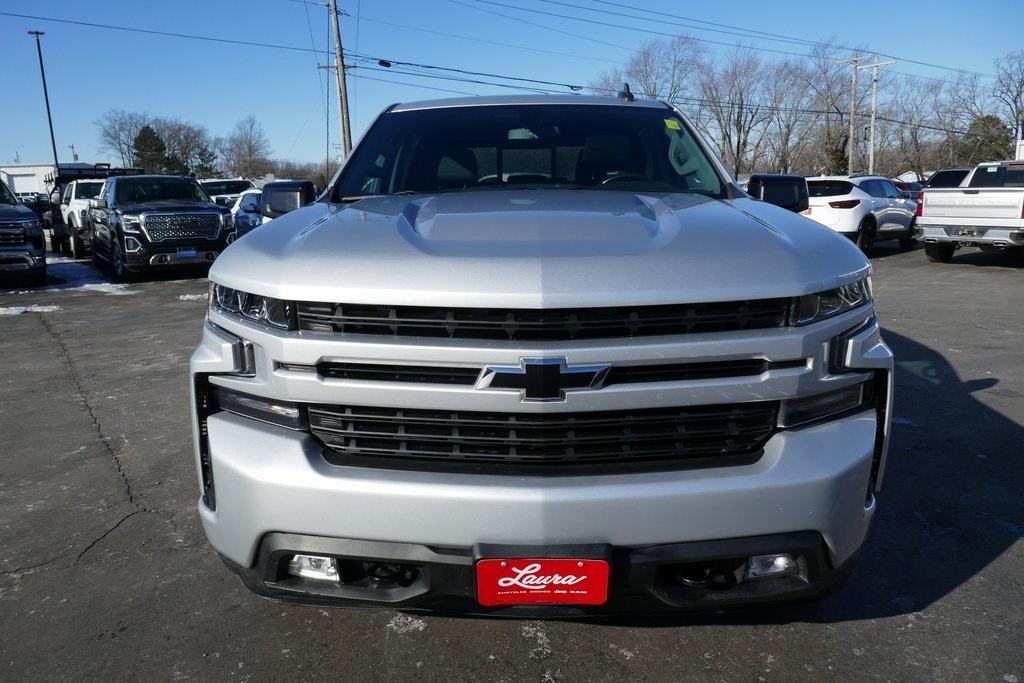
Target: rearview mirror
<point>787,191</point>
<point>280,197</point>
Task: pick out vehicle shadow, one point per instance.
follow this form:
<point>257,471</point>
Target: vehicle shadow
<point>950,503</point>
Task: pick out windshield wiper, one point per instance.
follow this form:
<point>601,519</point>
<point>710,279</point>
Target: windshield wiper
<point>360,197</point>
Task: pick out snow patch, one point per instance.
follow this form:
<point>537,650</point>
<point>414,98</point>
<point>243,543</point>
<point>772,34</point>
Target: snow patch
<point>17,310</point>
<point>403,624</point>
<point>192,297</point>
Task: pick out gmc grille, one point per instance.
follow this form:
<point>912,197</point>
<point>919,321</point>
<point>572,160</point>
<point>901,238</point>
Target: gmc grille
<point>662,438</point>
<point>542,324</point>
<point>181,226</point>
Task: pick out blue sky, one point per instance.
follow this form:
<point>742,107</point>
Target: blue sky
<point>90,70</point>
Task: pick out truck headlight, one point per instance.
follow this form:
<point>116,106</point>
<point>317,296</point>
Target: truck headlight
<point>814,307</point>
<point>283,413</point>
<point>226,221</point>
<point>261,309</point>
<point>829,405</point>
<point>131,224</point>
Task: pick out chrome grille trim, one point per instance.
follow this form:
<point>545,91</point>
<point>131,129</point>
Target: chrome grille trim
<point>161,227</point>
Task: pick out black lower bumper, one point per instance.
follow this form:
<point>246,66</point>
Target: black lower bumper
<point>663,579</point>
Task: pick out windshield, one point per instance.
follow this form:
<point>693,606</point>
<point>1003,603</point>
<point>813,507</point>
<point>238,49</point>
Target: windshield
<point>88,190</point>
<point>6,196</point>
<point>998,176</point>
<point>510,147</point>
<point>132,191</point>
<point>226,186</point>
<point>948,178</point>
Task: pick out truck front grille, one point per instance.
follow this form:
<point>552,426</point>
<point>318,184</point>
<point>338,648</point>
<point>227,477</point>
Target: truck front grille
<point>10,238</point>
<point>555,324</point>
<point>161,227</point>
<point>662,438</point>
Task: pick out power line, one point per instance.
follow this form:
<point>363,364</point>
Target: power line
<point>292,48</point>
<point>413,85</point>
<point>489,42</point>
<point>714,42</point>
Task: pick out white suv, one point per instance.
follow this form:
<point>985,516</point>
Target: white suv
<point>865,208</point>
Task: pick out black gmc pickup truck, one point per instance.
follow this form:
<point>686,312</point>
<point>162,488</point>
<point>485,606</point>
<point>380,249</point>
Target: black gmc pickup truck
<point>149,221</point>
<point>22,246</point>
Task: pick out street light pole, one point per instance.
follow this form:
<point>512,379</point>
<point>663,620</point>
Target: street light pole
<point>46,96</point>
<point>853,115</point>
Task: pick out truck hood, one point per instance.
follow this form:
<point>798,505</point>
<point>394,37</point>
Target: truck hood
<point>15,212</point>
<point>539,249</point>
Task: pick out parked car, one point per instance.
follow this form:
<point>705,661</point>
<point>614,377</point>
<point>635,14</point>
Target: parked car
<point>226,191</point>
<point>910,186</point>
<point>864,208</point>
<point>143,222</point>
<point>245,213</point>
<point>22,241</point>
<point>986,211</point>
<point>74,205</point>
<point>948,177</point>
<point>538,354</point>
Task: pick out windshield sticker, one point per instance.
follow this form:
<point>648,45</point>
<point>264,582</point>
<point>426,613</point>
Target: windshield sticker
<point>673,124</point>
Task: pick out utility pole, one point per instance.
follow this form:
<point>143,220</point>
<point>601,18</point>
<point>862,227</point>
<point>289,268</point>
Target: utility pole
<point>74,154</point>
<point>853,115</point>
<point>874,107</point>
<point>339,65</point>
<point>46,96</point>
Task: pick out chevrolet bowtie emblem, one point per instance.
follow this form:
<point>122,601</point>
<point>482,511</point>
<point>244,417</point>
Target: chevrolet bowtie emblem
<point>543,379</point>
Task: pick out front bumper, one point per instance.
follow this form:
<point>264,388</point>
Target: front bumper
<point>985,237</point>
<point>643,580</point>
<point>20,260</point>
<point>269,480</point>
<point>155,255</point>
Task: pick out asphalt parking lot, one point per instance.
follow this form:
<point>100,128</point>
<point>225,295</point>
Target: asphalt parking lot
<point>105,573</point>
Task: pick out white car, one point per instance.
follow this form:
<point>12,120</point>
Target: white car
<point>74,204</point>
<point>225,191</point>
<point>245,213</point>
<point>865,208</point>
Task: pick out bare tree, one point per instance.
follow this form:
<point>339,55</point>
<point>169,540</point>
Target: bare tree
<point>734,95</point>
<point>1009,90</point>
<point>660,70</point>
<point>246,150</point>
<point>117,131</point>
<point>791,98</point>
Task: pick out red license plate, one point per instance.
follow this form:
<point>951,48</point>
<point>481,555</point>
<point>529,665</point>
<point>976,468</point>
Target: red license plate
<point>529,581</point>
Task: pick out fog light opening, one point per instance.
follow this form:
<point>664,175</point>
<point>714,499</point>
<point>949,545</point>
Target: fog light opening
<point>386,574</point>
<point>770,566</point>
<point>314,567</point>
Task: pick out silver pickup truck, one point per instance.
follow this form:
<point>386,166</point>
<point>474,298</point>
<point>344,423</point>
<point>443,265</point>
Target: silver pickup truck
<point>539,355</point>
<point>986,211</point>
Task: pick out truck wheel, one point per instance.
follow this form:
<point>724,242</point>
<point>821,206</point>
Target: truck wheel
<point>38,278</point>
<point>77,248</point>
<point>940,253</point>
<point>866,236</point>
<point>907,240</point>
<point>118,266</point>
<point>56,244</point>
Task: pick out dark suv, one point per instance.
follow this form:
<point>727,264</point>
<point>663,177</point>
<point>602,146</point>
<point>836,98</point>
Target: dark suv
<point>22,246</point>
<point>141,222</point>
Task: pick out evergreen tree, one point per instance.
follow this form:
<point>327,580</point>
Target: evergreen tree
<point>149,150</point>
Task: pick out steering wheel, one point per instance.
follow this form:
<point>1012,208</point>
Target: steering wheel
<point>623,176</point>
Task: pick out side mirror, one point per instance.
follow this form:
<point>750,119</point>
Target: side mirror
<point>787,191</point>
<point>97,203</point>
<point>280,197</point>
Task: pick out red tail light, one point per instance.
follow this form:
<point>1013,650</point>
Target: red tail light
<point>920,204</point>
<point>844,204</point>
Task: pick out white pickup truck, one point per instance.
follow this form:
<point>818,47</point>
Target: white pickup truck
<point>74,204</point>
<point>986,211</point>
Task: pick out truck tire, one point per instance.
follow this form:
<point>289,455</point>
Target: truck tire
<point>907,240</point>
<point>866,236</point>
<point>118,268</point>
<point>939,253</point>
<point>56,244</point>
<point>77,248</point>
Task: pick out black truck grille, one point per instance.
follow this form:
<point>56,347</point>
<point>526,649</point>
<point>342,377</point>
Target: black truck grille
<point>182,226</point>
<point>9,238</point>
<point>542,324</point>
<point>662,438</point>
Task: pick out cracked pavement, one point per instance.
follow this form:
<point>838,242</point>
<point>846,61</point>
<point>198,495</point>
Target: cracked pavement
<point>105,573</point>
